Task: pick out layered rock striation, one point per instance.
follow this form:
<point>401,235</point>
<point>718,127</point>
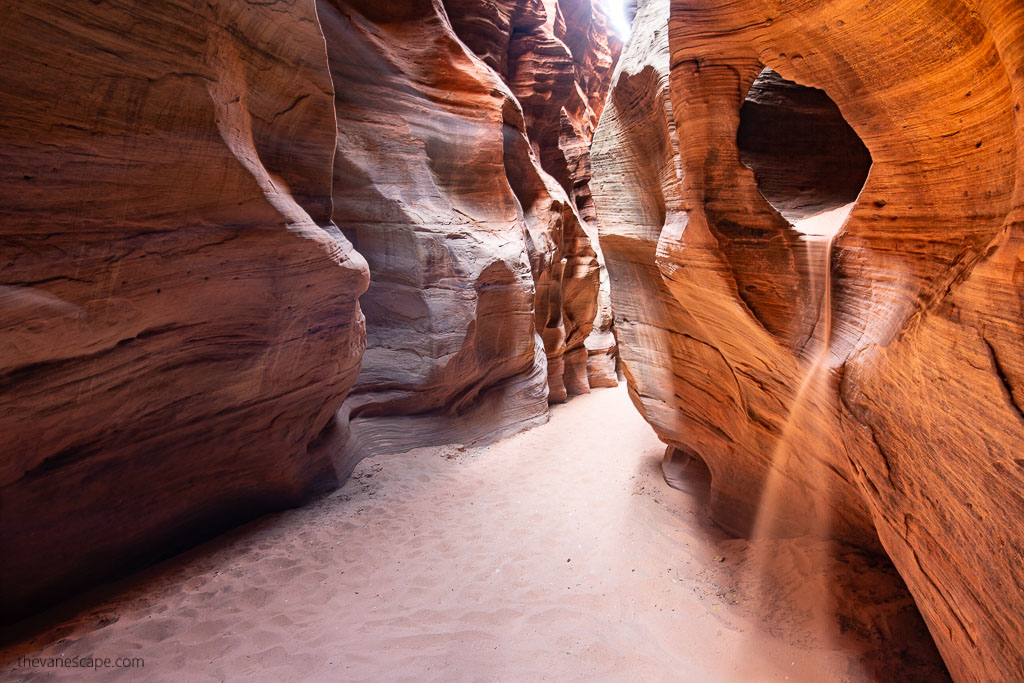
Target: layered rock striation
<point>462,175</point>
<point>861,382</point>
<point>179,314</point>
<point>180,201</point>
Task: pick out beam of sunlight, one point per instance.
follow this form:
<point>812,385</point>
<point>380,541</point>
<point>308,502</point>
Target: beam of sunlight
<point>617,16</point>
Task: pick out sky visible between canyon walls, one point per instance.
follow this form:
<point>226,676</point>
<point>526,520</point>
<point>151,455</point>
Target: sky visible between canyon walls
<point>616,11</point>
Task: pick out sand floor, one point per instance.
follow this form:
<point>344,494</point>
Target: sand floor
<point>558,554</point>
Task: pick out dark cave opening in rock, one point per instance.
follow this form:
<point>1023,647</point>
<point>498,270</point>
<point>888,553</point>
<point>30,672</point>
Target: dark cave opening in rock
<point>809,164</point>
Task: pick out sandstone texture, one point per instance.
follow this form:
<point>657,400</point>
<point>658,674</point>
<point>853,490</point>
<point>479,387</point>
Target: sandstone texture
<point>867,384</point>
<point>602,352</point>
<point>178,314</point>
<point>462,175</point>
<point>181,190</point>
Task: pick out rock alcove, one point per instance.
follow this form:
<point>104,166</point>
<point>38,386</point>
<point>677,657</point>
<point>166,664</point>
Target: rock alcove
<point>809,163</point>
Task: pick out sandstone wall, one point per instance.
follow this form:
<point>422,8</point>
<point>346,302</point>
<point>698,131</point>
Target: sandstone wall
<point>181,189</point>
<point>868,390</point>
<point>462,176</point>
<point>179,315</point>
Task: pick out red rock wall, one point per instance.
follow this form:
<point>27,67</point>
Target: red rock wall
<point>896,420</point>
<point>179,315</point>
<point>178,307</point>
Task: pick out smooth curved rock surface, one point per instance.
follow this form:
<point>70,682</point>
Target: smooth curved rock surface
<point>602,352</point>
<point>560,71</point>
<point>178,315</point>
<point>178,304</point>
<point>485,274</point>
<point>870,391</point>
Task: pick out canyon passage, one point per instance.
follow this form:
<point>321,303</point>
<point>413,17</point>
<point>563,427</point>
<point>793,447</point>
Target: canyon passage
<point>509,562</point>
<point>460,339</point>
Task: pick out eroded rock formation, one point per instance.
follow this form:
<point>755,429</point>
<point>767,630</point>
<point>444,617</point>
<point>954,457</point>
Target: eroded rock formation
<point>805,157</point>
<point>179,305</point>
<point>462,175</point>
<point>179,315</point>
<point>870,388</point>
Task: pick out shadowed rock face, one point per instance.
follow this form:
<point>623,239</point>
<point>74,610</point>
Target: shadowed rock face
<point>179,315</point>
<point>870,391</point>
<point>485,275</point>
<point>178,308</point>
<point>804,155</point>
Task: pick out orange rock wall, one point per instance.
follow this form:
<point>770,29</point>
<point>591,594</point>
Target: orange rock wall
<point>898,421</point>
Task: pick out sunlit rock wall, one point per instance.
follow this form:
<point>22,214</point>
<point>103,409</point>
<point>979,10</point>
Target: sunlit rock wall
<point>178,315</point>
<point>874,391</point>
<point>462,175</point>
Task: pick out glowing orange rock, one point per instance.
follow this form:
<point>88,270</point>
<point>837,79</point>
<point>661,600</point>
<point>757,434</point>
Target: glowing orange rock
<point>907,435</point>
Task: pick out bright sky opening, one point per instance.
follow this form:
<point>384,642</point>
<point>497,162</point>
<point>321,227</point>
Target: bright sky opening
<point>616,11</point>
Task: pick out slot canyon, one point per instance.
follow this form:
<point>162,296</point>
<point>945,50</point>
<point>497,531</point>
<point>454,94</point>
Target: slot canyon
<point>512,339</point>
